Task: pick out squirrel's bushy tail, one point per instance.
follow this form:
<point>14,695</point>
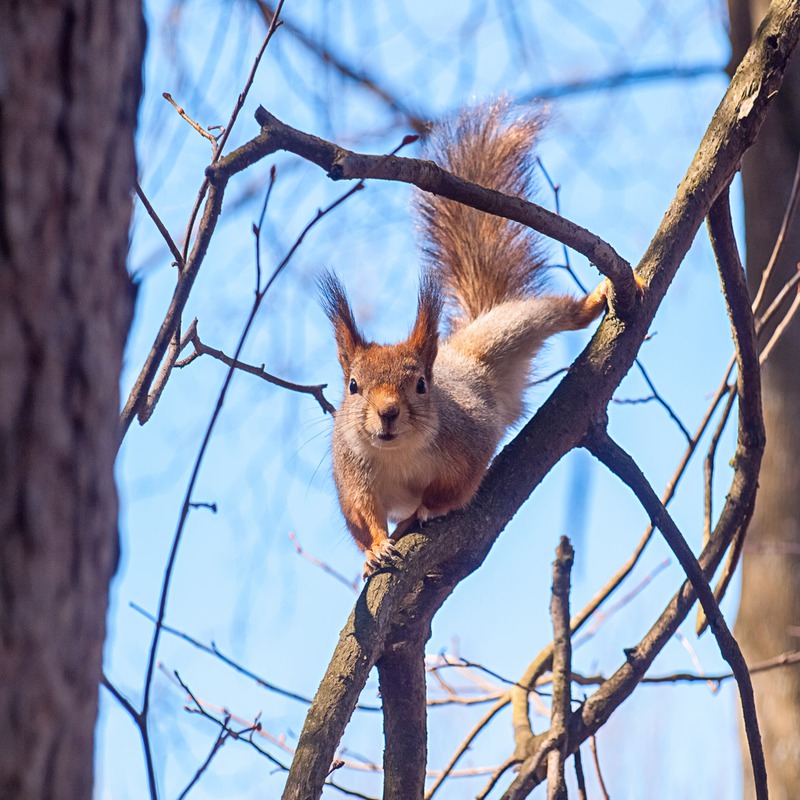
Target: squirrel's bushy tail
<point>482,260</point>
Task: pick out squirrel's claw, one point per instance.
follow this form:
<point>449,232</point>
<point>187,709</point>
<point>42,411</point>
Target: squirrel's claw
<point>379,556</point>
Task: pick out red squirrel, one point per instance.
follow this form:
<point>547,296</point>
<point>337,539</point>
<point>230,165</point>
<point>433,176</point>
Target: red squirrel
<point>421,419</point>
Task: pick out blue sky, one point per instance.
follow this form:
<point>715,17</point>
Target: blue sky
<point>617,156</point>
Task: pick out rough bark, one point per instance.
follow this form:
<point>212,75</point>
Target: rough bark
<point>401,672</point>
<point>770,600</point>
<point>70,81</point>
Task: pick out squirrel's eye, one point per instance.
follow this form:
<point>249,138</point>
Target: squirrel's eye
<point>353,386</point>
<point>421,387</point>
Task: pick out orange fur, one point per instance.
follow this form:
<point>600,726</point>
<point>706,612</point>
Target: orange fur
<point>421,419</point>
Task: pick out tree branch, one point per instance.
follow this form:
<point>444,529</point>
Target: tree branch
<point>622,465</point>
<point>401,676</point>
<point>440,556</point>
<point>562,669</point>
<point>200,349</point>
<point>341,164</point>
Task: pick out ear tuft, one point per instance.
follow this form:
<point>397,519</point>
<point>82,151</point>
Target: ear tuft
<point>336,306</point>
<point>424,336</point>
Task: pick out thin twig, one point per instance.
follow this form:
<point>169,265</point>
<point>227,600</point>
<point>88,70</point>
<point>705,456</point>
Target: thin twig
<point>120,698</point>
<point>781,328</point>
<point>791,208</point>
<point>773,307</point>
<point>213,650</point>
<point>788,659</point>
<point>176,345</point>
<point>596,759</point>
<point>708,468</point>
<point>199,128</point>
<point>496,775</point>
<point>465,745</point>
<point>162,228</point>
<point>201,349</point>
<point>222,737</point>
<point>599,617</point>
<point>273,26</point>
<point>621,464</point>
<point>664,404</point>
<point>185,508</point>
<point>325,567</point>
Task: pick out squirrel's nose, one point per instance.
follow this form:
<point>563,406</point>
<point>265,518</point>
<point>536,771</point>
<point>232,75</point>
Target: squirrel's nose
<point>389,413</point>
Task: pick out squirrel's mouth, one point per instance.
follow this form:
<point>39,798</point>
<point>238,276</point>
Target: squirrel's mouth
<point>385,436</point>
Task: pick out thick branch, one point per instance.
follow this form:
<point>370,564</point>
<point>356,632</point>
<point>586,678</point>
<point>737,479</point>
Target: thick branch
<point>401,675</point>
<point>186,278</point>
<point>344,164</point>
<point>439,557</point>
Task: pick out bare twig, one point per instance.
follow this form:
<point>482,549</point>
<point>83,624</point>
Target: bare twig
<point>599,617</point>
<point>200,349</point>
<point>788,659</point>
<point>772,309</point>
<point>664,404</point>
<point>708,464</point>
<point>213,650</point>
<point>596,759</point>
<point>562,669</point>
<point>199,707</point>
<point>356,74</point>
<point>120,698</point>
<point>496,775</point>
<point>325,567</point>
<point>162,228</point>
<point>222,737</point>
<point>465,745</point>
<point>788,216</point>
<point>199,128</point>
<point>140,720</point>
<point>176,345</point>
<point>781,328</point>
<point>273,26</point>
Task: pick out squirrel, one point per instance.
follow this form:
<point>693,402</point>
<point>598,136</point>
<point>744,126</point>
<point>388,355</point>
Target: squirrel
<point>420,420</point>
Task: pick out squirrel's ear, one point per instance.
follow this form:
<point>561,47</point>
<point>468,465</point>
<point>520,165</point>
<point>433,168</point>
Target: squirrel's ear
<point>424,336</point>
<point>337,307</point>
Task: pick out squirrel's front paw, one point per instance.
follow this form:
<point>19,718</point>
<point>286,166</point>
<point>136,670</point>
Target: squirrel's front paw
<point>380,555</point>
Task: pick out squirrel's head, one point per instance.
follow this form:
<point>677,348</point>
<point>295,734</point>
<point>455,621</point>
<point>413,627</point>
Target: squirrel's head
<point>387,393</point>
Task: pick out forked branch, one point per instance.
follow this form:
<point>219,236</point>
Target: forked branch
<point>439,557</point>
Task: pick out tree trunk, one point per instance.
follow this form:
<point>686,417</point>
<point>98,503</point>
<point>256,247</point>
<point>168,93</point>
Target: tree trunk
<point>70,82</point>
<point>770,601</point>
